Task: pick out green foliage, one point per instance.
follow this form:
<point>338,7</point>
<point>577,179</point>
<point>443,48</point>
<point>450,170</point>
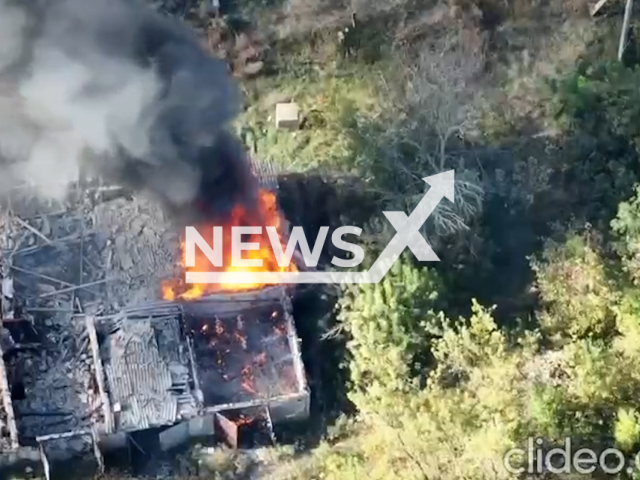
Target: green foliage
<point>573,282</point>
<point>627,428</point>
<point>592,381</point>
<point>596,107</point>
<point>471,343</point>
<point>485,390</point>
<point>390,325</point>
<point>460,422</point>
<point>627,227</point>
<point>549,411</point>
<point>326,100</point>
<point>628,323</point>
<point>601,98</point>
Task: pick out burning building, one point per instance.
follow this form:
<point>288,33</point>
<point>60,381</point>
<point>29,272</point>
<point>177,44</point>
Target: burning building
<point>99,343</point>
<point>118,137</point>
<point>99,338</point>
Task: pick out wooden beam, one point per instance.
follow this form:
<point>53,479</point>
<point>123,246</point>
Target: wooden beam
<point>99,371</point>
<point>6,291</point>
<point>59,436</point>
<point>256,402</point>
<point>45,461</point>
<point>7,314</point>
<point>596,8</point>
<point>228,430</point>
<point>625,29</point>
<point>96,450</point>
<point>7,404</point>
<point>194,373</point>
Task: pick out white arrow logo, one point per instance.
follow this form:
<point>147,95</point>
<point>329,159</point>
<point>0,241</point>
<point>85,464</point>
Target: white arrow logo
<point>408,228</point>
<point>407,235</point>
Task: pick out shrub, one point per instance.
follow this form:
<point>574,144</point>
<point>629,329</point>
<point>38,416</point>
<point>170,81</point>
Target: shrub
<point>573,283</point>
<point>601,98</point>
<point>627,428</point>
<point>626,226</point>
<point>390,326</point>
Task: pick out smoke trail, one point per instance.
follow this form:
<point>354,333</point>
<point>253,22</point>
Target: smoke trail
<point>112,85</point>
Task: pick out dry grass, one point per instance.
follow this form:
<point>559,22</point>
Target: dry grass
<point>124,476</point>
<point>325,101</point>
<point>406,21</point>
<point>522,102</point>
<point>300,17</point>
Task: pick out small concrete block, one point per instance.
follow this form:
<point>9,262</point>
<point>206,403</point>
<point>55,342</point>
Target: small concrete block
<point>288,116</point>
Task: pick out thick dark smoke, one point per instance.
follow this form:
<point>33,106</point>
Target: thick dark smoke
<point>112,86</point>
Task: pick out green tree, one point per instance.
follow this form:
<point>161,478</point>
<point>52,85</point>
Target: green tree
<point>626,226</point>
<point>572,281</point>
<point>390,325</point>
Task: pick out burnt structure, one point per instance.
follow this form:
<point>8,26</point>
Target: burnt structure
<point>90,357</point>
<point>168,362</point>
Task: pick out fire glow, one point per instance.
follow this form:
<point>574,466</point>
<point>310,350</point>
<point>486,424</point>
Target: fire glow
<point>260,258</point>
<point>246,359</point>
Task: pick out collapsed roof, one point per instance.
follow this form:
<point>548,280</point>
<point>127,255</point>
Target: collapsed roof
<point>94,350</point>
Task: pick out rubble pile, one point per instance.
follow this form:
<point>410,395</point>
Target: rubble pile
<point>86,255</point>
<point>60,261</point>
<point>60,394</point>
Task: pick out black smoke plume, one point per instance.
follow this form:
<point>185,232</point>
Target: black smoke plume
<point>113,87</point>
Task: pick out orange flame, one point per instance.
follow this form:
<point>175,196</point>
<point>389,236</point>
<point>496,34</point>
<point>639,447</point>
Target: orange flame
<point>266,213</point>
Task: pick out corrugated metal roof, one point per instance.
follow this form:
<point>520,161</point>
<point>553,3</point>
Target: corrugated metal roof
<point>139,377</point>
<point>266,173</point>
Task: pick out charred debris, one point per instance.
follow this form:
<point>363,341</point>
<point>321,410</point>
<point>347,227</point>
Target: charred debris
<point>90,357</point>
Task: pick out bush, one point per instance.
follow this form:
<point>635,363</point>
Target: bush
<point>601,98</point>
<point>573,283</point>
<point>627,429</point>
<point>626,226</point>
<point>390,325</point>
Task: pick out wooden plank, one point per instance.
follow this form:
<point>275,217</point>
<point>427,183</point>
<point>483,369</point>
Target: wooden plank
<point>625,29</point>
<point>45,461</point>
<point>269,420</point>
<point>7,292</point>
<point>7,404</point>
<point>99,371</point>
<point>256,402</point>
<point>96,450</point>
<point>596,8</point>
<point>227,429</point>
<point>194,373</point>
<point>7,314</point>
<point>58,436</point>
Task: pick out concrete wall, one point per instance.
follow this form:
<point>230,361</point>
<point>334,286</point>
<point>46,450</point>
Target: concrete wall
<point>292,409</point>
<point>181,433</point>
<point>15,462</point>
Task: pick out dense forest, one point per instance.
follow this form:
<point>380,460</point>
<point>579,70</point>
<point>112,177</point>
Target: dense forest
<point>529,327</point>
